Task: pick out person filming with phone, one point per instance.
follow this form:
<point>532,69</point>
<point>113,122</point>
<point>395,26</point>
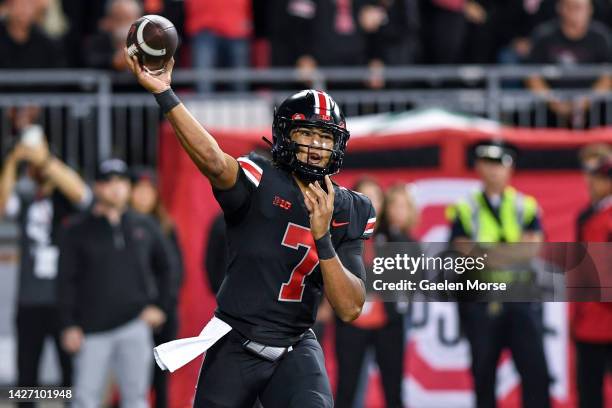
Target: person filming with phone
<point>38,191</point>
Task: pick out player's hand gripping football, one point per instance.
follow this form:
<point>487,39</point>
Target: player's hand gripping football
<point>320,204</point>
<point>152,83</point>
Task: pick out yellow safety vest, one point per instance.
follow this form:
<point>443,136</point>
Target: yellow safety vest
<point>515,211</point>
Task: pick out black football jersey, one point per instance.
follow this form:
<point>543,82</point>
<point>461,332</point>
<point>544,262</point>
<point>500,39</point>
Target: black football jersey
<point>274,284</point>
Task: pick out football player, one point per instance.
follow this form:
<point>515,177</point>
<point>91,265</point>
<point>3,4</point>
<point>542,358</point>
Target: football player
<point>293,235</point>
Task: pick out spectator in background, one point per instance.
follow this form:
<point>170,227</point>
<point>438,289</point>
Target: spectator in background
<point>499,214</point>
<point>572,39</point>
<point>391,28</point>
<point>115,287</point>
<point>503,35</point>
<point>479,41</point>
<point>288,27</point>
<point>39,203</point>
<point>220,31</point>
<point>83,19</point>
<point>146,200</point>
<point>591,322</point>
<point>381,326</point>
<point>448,31</point>
<point>298,28</point>
<point>513,22</point>
<point>22,43</point>
<point>104,50</point>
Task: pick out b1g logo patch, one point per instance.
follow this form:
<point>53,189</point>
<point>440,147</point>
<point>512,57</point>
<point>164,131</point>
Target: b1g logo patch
<point>282,203</point>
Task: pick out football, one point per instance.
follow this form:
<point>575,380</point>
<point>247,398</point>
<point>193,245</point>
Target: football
<point>153,40</point>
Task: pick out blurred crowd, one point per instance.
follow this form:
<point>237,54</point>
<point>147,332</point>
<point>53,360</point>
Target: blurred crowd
<point>311,33</point>
<point>100,269</point>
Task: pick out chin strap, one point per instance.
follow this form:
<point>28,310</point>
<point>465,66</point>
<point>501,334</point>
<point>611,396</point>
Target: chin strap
<point>266,140</point>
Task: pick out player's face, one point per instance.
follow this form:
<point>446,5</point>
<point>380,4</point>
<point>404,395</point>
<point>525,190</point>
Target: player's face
<point>114,192</point>
<point>493,174</point>
<point>144,197</point>
<point>316,145</point>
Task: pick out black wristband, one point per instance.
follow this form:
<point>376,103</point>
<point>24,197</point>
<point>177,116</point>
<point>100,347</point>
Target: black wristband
<point>325,249</point>
<point>167,100</point>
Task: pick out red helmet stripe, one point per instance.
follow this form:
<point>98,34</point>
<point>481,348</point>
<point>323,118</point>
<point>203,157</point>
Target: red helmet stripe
<point>328,99</point>
<point>322,103</point>
<point>317,109</point>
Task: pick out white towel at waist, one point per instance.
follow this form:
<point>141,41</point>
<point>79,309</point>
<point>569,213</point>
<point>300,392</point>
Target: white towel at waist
<point>175,354</point>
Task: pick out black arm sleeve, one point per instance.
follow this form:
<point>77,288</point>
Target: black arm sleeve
<point>351,256</point>
<point>235,201</point>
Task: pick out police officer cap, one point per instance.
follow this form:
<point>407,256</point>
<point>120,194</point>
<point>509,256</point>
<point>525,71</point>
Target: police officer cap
<point>496,151</point>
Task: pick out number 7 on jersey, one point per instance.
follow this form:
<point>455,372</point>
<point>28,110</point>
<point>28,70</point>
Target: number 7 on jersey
<point>296,236</point>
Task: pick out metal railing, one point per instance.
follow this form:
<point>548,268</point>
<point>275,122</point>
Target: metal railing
<point>89,114</point>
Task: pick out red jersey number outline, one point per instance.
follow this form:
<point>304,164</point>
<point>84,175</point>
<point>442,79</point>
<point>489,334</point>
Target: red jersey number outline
<point>296,236</point>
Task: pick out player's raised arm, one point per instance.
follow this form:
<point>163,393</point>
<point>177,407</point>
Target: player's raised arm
<point>220,168</point>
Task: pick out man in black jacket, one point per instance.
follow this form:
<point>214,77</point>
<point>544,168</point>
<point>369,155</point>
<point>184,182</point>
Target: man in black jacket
<point>38,203</point>
<point>109,301</point>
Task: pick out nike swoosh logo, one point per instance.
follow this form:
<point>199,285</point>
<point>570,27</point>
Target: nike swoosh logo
<point>336,224</point>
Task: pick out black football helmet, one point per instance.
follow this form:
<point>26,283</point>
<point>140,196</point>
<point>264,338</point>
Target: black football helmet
<point>308,108</point>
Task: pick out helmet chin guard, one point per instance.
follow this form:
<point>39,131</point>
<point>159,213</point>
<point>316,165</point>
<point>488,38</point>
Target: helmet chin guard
<point>308,108</point>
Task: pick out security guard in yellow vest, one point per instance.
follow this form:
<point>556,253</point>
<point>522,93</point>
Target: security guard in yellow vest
<point>499,213</point>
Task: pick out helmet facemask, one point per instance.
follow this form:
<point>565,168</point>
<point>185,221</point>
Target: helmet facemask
<point>285,150</point>
<point>308,109</point>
